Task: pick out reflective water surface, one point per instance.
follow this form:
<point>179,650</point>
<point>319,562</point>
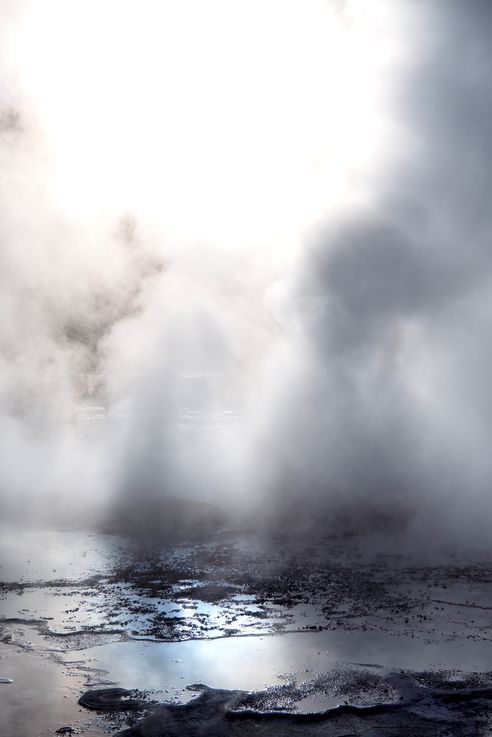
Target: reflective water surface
<point>81,610</point>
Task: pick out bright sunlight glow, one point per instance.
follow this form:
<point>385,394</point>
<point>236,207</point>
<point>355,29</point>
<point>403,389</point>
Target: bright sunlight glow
<point>227,122</point>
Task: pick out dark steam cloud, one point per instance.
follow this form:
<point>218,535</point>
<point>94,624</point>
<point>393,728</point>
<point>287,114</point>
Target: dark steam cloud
<point>389,417</point>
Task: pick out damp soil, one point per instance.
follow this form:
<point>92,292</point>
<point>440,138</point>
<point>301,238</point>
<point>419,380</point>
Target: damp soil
<point>275,632</point>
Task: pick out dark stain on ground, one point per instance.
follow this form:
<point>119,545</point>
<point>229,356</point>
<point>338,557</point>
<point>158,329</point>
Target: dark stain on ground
<point>261,589</point>
<point>442,710</point>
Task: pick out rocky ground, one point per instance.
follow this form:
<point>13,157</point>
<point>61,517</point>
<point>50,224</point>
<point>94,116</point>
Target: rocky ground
<point>371,640</point>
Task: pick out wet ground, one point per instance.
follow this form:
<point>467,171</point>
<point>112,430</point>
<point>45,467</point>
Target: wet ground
<point>372,641</point>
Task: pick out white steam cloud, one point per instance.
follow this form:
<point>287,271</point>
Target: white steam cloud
<point>244,260</point>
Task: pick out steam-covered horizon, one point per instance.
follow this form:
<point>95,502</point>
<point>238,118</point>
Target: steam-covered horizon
<point>244,259</point>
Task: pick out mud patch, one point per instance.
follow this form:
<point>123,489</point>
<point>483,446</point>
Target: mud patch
<point>416,709</point>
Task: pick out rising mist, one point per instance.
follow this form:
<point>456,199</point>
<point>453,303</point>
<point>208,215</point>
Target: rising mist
<point>277,306</point>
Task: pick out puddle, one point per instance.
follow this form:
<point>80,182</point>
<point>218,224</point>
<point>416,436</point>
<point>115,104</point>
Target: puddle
<point>42,696</point>
<point>252,663</point>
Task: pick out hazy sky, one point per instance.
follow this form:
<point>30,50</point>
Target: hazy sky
<point>292,196</point>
